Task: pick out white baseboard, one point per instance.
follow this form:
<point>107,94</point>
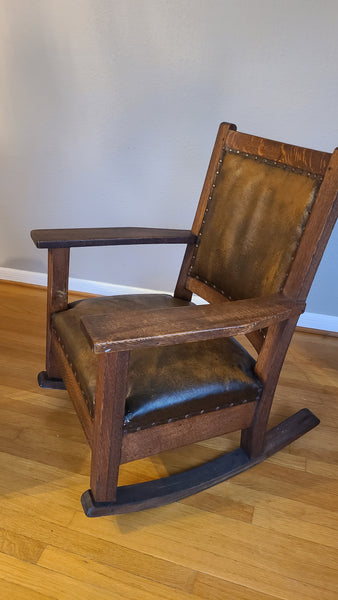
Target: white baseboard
<point>307,320</point>
<point>318,321</point>
<point>76,285</point>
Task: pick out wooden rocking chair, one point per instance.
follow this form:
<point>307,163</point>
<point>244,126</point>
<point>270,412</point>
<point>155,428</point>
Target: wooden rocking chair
<point>148,373</point>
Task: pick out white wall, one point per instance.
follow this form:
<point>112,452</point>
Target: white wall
<point>109,109</point>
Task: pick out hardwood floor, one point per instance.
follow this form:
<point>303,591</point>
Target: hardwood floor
<point>269,533</point>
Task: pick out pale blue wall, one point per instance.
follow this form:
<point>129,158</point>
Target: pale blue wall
<point>109,109</point>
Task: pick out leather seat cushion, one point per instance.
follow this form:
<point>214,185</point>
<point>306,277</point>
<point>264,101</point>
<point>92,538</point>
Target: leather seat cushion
<point>164,383</point>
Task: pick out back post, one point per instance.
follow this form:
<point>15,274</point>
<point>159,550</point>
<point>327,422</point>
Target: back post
<point>181,290</point>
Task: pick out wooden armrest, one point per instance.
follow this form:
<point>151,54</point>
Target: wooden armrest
<point>167,326</point>
<point>109,236</point>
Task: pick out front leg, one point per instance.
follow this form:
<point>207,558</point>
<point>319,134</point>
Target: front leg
<point>269,363</point>
<point>57,300</point>
<point>110,397</point>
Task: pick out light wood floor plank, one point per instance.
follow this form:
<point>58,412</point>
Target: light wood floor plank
<point>43,529</point>
<point>269,534</point>
<point>15,591</point>
<point>50,583</point>
<point>127,585</point>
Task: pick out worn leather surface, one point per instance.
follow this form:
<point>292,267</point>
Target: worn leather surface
<point>252,226</point>
<point>164,383</point>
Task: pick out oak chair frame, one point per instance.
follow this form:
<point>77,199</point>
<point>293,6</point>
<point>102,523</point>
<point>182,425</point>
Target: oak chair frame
<point>274,315</point>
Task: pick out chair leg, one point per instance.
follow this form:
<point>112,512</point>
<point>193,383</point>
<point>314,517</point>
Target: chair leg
<point>57,300</point>
<point>111,389</point>
<point>269,363</point>
<point>50,383</point>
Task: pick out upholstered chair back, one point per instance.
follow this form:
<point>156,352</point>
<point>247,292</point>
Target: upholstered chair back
<point>252,225</point>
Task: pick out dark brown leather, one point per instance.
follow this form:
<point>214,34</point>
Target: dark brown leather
<point>164,383</point>
<point>253,223</point>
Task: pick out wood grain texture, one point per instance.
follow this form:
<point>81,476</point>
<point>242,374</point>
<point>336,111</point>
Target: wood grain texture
<point>213,296</point>
<point>321,222</point>
<point>73,389</point>
<point>231,541</point>
<point>222,134</point>
<point>57,299</point>
<point>181,290</point>
<point>296,156</point>
<point>108,236</point>
<point>205,291</point>
<point>111,391</point>
<point>268,367</point>
<point>188,323</point>
<point>173,435</point>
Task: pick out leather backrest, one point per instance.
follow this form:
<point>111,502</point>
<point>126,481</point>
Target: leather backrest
<point>252,225</point>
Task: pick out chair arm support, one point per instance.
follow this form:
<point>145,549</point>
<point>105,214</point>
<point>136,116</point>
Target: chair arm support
<point>164,327</point>
<point>109,236</point>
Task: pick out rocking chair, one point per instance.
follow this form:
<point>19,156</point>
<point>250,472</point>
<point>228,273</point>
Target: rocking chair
<point>148,373</point>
